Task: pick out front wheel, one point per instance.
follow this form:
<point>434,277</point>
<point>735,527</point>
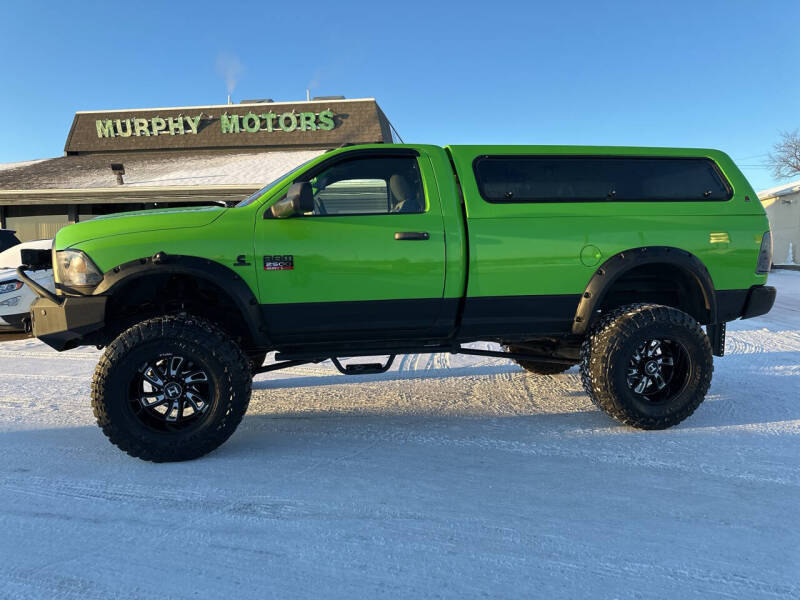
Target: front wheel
<point>171,388</point>
<point>648,366</point>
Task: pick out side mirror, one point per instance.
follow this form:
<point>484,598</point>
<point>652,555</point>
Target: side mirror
<point>299,200</point>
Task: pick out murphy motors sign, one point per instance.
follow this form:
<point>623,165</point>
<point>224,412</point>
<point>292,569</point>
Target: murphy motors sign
<point>250,122</point>
<point>314,124</point>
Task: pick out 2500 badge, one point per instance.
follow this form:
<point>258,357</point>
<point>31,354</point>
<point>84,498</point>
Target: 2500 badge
<point>279,262</point>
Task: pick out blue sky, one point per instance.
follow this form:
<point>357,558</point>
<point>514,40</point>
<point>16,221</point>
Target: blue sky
<point>713,74</point>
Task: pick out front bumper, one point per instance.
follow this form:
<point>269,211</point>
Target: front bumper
<point>65,322</point>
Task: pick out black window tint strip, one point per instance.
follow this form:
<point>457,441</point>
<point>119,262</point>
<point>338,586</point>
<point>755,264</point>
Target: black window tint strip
<point>534,178</point>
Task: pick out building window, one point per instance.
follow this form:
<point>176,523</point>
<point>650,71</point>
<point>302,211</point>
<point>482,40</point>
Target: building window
<point>36,222</point>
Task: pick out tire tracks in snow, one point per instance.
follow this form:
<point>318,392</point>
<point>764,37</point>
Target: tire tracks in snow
<point>96,490</point>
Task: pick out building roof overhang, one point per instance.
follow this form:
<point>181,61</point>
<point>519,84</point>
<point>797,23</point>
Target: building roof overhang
<point>131,194</point>
<point>780,190</point>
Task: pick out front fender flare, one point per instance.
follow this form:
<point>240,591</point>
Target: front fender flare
<point>199,268</point>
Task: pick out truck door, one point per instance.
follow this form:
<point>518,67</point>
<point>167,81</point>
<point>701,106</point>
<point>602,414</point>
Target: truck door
<point>367,263</point>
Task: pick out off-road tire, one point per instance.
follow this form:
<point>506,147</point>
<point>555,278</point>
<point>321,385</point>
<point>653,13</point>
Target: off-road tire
<point>538,367</point>
<point>227,368</point>
<point>608,348</point>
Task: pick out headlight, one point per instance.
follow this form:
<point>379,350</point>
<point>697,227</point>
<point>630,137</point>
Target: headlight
<point>10,286</point>
<point>75,269</point>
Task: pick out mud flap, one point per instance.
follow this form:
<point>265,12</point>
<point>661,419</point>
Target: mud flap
<point>716,335</point>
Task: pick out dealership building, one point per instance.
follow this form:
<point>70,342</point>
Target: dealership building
<point>118,160</point>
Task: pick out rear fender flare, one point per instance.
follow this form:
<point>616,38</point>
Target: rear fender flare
<point>612,269</point>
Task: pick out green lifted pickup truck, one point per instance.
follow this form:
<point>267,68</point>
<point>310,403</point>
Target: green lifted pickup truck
<point>608,257</point>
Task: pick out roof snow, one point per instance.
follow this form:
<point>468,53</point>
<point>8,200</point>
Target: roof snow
<point>780,190</point>
<point>154,169</point>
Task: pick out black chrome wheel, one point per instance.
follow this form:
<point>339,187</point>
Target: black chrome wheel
<point>171,392</point>
<point>658,370</point>
<point>171,388</point>
<point>647,365</point>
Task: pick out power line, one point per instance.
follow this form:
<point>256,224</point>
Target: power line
<point>752,156</point>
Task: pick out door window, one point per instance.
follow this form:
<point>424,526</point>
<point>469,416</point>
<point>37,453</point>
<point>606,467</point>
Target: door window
<point>369,186</point>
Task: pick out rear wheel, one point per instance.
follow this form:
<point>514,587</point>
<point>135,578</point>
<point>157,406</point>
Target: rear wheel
<point>171,388</point>
<point>535,366</point>
<point>646,365</point>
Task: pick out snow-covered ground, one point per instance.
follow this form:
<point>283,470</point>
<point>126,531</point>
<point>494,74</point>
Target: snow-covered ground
<point>453,477</point>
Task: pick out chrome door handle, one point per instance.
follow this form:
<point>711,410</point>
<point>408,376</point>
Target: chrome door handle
<point>412,235</point>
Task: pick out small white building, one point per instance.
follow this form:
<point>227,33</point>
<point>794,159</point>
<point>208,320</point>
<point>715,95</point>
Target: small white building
<point>782,204</point>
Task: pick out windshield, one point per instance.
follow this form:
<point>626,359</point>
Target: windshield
<point>272,184</point>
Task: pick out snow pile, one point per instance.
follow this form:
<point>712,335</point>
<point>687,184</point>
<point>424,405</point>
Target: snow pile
<point>789,255</point>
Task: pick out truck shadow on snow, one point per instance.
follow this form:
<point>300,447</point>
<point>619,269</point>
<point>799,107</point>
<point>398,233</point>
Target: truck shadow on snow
<point>752,393</point>
<point>749,389</point>
<point>335,378</point>
<point>277,433</point>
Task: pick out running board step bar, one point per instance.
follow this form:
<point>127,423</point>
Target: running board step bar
<point>513,356</point>
<point>284,360</point>
<point>362,368</point>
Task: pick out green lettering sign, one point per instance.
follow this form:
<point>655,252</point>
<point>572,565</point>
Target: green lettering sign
<point>126,132</point>
<point>193,123</point>
<point>140,127</point>
<point>307,121</point>
<point>175,126</point>
<point>326,120</point>
<point>287,122</point>
<point>229,124</point>
<point>251,123</point>
<point>158,124</point>
<point>104,128</point>
<point>269,118</point>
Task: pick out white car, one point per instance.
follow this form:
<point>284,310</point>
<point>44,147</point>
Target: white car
<point>16,297</point>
